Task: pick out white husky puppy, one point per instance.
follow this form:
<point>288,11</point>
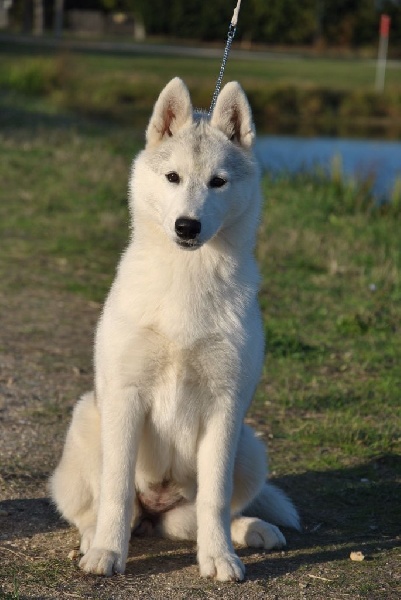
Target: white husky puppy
<point>161,441</point>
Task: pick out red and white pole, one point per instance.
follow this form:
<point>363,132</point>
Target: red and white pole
<point>385,21</point>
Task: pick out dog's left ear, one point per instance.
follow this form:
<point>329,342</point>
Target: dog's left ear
<point>233,116</point>
<point>172,111</point>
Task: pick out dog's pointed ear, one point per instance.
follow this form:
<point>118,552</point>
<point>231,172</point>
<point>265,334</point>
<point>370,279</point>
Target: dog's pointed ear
<point>233,116</point>
<point>172,111</point>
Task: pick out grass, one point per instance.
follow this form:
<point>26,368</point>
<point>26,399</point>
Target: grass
<point>51,573</point>
<point>331,280</point>
<point>124,87</point>
<point>328,401</point>
<point>331,286</point>
<point>332,295</point>
<point>39,214</point>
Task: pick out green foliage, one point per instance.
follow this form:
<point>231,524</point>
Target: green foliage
<point>356,22</point>
<point>118,5</point>
<point>278,21</point>
<point>296,91</point>
<point>343,23</point>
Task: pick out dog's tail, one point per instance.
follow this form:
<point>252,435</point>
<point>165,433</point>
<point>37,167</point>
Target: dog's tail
<point>274,506</point>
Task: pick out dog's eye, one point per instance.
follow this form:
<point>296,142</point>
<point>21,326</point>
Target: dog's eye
<point>173,177</point>
<point>217,182</point>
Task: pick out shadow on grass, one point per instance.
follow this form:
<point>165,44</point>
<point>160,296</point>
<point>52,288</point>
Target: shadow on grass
<point>19,113</point>
<point>156,556</point>
<point>276,565</point>
<point>355,508</point>
<point>358,498</point>
<point>14,115</point>
<point>25,517</point>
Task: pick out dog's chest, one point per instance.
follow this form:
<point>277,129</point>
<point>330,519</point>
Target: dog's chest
<point>183,297</point>
<point>168,446</point>
<point>182,394</point>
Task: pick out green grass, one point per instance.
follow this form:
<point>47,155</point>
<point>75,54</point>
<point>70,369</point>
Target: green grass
<point>331,294</point>
<point>331,291</point>
<point>330,72</point>
<point>124,87</point>
<point>57,182</point>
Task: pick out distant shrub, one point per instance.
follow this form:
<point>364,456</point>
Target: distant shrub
<point>289,102</point>
<point>38,77</point>
<point>31,78</point>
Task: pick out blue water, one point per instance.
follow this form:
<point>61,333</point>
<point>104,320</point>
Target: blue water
<point>379,161</point>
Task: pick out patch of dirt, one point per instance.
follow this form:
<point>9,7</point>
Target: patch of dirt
<point>45,364</point>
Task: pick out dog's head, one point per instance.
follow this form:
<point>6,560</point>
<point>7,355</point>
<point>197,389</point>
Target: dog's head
<point>197,176</point>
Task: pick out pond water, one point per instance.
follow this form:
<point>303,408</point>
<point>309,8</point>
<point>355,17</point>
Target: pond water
<point>376,160</point>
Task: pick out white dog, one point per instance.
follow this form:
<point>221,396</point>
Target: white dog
<point>161,441</point>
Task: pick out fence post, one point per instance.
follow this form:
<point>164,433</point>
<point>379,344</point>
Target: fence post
<point>382,55</point>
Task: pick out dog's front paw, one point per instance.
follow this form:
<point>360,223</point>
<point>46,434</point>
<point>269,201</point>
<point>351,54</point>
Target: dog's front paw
<point>102,562</point>
<point>225,567</point>
<point>87,539</point>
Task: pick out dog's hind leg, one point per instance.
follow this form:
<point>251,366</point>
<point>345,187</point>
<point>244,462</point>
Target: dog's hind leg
<point>249,471</point>
<point>256,498</point>
<point>249,478</point>
<point>256,533</point>
<point>74,486</point>
<point>249,489</point>
<point>179,523</point>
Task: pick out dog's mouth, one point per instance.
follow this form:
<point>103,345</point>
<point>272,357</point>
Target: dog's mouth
<point>188,244</point>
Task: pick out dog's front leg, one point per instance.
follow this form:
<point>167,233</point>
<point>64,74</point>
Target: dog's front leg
<point>216,458</point>
<point>121,425</point>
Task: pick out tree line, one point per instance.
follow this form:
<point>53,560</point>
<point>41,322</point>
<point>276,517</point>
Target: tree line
<point>342,22</point>
<point>334,22</point>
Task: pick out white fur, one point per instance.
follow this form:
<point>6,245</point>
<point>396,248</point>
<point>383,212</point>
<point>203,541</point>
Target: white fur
<point>178,354</point>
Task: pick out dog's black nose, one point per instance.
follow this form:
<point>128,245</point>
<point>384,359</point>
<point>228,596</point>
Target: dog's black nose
<point>187,229</point>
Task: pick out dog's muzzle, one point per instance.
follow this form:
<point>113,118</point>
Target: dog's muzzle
<point>187,231</point>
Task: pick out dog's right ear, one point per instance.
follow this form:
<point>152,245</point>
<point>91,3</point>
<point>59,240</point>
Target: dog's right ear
<point>232,115</point>
<point>172,111</point>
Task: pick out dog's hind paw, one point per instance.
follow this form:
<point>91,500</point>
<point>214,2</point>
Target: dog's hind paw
<point>255,533</point>
<point>101,562</point>
<point>226,567</point>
